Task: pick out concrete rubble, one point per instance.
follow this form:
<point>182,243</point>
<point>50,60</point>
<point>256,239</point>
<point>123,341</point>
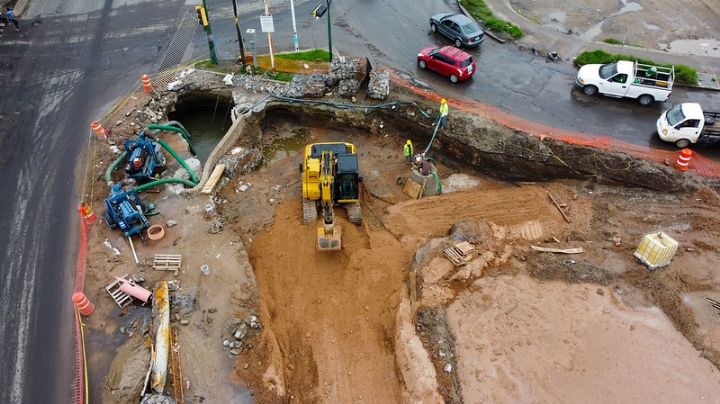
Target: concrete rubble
<point>379,85</point>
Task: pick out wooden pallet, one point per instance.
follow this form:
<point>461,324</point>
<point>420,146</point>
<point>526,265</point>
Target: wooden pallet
<point>121,298</point>
<point>413,189</point>
<point>167,262</point>
<point>460,254</point>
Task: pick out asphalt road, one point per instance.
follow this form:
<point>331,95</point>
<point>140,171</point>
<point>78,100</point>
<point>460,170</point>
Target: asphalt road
<point>391,32</point>
<point>72,59</point>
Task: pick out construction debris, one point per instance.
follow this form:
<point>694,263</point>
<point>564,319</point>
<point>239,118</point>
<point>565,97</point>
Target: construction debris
<point>460,254</point>
<point>562,212</point>
<point>577,250</point>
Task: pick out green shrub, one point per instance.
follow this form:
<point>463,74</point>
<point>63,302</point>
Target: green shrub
<point>313,55</point>
<point>613,41</point>
<point>480,10</point>
<point>683,74</point>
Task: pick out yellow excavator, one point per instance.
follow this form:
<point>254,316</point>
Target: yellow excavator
<point>330,177</point>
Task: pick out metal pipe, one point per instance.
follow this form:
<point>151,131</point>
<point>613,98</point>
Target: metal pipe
<point>161,310</point>
<point>295,35</point>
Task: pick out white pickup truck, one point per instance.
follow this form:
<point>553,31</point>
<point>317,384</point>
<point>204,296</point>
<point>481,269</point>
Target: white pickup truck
<point>627,79</point>
<point>687,124</point>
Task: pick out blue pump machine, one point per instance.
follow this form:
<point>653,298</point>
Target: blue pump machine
<point>145,158</point>
<point>125,211</point>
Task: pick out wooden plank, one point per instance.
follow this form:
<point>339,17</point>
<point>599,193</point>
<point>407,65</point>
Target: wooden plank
<point>465,248</point>
<point>412,189</point>
<point>214,178</point>
<point>577,250</point>
<point>562,212</point>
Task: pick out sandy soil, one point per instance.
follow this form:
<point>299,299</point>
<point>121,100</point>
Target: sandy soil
<point>521,340</point>
<point>684,26</point>
<point>390,319</point>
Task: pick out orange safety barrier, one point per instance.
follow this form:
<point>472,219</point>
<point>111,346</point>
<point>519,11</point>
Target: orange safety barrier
<point>701,165</point>
<point>147,84</point>
<point>79,386</point>
<point>683,161</point>
<point>83,304</point>
<point>87,214</point>
<point>100,132</point>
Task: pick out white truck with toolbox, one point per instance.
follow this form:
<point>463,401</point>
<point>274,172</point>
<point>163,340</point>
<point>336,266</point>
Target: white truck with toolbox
<point>623,78</point>
<point>687,124</point>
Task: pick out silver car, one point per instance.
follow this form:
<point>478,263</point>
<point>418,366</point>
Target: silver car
<point>458,28</point>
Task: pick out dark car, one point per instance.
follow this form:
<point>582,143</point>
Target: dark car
<point>458,28</point>
<point>449,61</point>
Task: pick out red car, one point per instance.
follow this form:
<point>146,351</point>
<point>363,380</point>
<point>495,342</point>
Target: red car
<point>449,61</point>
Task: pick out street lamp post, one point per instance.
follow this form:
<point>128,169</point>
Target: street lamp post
<point>239,35</point>
<point>318,12</point>
<point>295,36</point>
<point>208,30</point>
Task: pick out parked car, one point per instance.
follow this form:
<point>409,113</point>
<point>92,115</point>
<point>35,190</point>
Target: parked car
<point>458,28</point>
<point>449,61</point>
<point>646,83</point>
<point>687,124</point>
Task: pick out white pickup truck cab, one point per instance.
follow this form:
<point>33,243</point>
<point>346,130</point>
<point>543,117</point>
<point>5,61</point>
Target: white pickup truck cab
<point>687,124</point>
<point>623,78</point>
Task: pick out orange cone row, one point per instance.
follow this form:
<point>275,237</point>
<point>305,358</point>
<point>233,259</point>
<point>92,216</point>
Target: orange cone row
<point>683,160</point>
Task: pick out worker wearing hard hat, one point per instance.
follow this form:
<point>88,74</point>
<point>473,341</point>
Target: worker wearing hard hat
<point>442,119</point>
<point>408,150</point>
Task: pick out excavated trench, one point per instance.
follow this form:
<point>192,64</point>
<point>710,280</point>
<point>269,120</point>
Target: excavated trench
<point>333,320</point>
<point>206,116</point>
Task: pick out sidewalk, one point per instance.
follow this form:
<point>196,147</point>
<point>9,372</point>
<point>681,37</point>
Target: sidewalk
<point>569,46</point>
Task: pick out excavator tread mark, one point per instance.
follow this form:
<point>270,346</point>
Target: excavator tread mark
<point>309,211</point>
<point>354,212</point>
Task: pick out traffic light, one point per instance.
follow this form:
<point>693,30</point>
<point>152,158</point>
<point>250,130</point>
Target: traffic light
<point>319,11</point>
<point>201,16</point>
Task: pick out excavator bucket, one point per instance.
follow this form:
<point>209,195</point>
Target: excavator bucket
<point>329,239</point>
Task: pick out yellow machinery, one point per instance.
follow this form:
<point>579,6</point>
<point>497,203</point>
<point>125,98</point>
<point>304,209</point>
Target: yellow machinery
<point>330,176</point>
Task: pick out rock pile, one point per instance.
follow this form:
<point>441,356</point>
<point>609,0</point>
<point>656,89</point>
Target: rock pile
<point>349,74</point>
<point>379,86</point>
<point>241,333</point>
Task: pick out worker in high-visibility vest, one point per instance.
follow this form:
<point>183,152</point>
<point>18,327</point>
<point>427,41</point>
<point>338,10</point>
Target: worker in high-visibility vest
<point>442,119</point>
<point>408,150</point>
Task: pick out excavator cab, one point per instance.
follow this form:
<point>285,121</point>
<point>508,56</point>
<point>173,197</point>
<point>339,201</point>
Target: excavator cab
<point>330,175</point>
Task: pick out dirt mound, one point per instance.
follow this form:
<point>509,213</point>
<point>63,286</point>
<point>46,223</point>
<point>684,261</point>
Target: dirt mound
<point>332,313</point>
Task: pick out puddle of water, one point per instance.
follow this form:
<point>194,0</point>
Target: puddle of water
<point>596,29</point>
<point>703,47</point>
<point>207,119</point>
<point>283,148</point>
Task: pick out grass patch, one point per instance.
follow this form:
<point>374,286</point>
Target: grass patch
<point>683,74</point>
<point>221,67</point>
<point>313,55</point>
<point>615,41</point>
<point>480,10</point>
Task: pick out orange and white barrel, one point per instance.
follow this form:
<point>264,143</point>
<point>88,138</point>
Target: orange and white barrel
<point>147,84</point>
<point>87,214</point>
<point>83,304</point>
<point>100,132</point>
<point>683,160</point>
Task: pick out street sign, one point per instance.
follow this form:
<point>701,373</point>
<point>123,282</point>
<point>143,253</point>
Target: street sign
<point>266,23</point>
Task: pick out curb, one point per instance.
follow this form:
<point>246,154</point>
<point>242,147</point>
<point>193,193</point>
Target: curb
<point>487,32</point>
<point>20,7</point>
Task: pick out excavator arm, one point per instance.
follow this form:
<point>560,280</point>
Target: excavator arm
<point>329,235</point>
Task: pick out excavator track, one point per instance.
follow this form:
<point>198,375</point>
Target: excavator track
<point>354,212</point>
<point>309,211</point>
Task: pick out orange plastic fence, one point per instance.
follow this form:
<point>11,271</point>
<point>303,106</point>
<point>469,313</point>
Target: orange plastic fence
<point>699,164</point>
<point>79,390</point>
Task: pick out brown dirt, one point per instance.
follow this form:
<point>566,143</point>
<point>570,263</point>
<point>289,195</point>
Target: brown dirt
<point>337,327</point>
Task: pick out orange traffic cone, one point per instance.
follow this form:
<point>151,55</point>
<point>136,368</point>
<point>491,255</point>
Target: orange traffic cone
<point>683,160</point>
<point>83,304</point>
<point>87,214</point>
<point>147,84</point>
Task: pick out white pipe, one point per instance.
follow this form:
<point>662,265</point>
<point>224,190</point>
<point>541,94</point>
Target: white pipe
<point>161,306</point>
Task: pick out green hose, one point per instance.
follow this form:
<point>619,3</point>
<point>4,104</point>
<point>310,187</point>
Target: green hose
<point>179,126</point>
<point>182,162</point>
<point>161,181</point>
<point>439,188</point>
<point>113,166</point>
<point>183,133</point>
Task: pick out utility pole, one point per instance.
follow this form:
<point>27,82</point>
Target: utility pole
<point>295,36</point>
<point>329,2</point>
<point>272,58</point>
<point>239,34</point>
<point>208,30</point>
